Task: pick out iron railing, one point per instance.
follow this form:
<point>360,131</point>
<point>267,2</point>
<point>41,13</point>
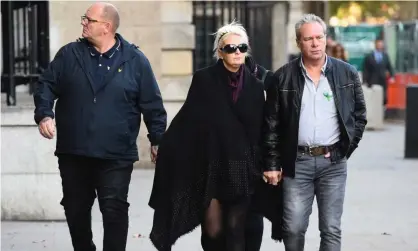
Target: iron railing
<point>256,16</point>
<point>25,35</point>
<point>407,47</point>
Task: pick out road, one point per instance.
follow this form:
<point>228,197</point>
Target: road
<point>381,208</point>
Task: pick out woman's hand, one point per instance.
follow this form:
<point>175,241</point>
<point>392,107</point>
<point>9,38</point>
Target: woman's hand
<point>272,177</point>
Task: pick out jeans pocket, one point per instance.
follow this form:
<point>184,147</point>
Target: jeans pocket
<point>342,160</point>
<point>300,156</point>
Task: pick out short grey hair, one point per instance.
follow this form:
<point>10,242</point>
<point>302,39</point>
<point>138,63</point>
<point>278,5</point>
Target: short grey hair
<point>307,19</point>
<point>223,32</point>
<point>111,13</point>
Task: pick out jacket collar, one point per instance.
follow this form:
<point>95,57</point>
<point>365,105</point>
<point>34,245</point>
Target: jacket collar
<point>123,45</point>
<point>108,54</point>
<point>127,48</point>
<point>83,56</point>
<point>326,68</point>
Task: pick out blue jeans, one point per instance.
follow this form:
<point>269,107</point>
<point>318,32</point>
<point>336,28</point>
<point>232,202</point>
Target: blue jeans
<point>315,176</point>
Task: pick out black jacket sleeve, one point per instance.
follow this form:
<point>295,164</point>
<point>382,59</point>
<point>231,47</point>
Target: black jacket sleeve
<point>359,112</point>
<point>259,72</point>
<point>150,102</point>
<point>271,136</point>
<point>268,79</point>
<point>46,91</point>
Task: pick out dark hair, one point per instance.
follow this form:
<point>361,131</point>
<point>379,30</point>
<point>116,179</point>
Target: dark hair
<point>335,50</point>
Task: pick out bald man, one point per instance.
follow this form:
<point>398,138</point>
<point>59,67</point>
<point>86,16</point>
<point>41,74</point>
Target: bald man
<point>101,84</point>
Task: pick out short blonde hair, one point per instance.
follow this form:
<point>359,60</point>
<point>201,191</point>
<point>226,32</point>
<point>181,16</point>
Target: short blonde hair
<point>223,32</point>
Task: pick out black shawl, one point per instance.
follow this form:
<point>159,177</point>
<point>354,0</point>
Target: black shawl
<point>210,149</point>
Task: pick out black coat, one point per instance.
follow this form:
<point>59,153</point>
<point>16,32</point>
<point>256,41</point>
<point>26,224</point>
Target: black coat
<point>100,120</point>
<point>374,73</point>
<point>211,144</point>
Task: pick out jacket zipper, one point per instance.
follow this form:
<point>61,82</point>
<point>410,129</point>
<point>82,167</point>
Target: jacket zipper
<point>337,105</point>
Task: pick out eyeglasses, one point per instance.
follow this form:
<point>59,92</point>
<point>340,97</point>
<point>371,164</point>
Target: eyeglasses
<point>232,48</point>
<point>86,19</point>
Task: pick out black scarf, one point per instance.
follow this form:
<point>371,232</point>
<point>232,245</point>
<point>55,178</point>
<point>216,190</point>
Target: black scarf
<point>236,81</point>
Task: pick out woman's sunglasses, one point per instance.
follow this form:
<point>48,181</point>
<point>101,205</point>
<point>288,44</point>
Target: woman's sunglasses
<point>232,48</point>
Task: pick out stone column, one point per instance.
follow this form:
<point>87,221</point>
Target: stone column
<point>279,34</point>
<point>296,12</point>
<point>64,23</point>
<point>178,41</point>
<point>30,181</point>
<point>174,61</point>
<point>140,24</point>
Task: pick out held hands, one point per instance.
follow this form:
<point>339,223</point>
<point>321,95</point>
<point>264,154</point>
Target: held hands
<point>47,128</point>
<point>273,177</point>
<point>154,152</point>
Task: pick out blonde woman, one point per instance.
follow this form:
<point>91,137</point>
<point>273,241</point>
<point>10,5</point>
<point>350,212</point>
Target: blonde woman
<point>208,163</point>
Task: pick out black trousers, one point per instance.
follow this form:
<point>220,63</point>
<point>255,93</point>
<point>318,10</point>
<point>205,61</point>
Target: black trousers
<point>254,231</point>
<point>82,179</point>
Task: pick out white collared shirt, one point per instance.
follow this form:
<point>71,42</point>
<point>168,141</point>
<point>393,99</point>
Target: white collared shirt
<point>318,124</point>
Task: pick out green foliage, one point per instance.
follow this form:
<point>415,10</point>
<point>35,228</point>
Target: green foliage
<point>369,8</point>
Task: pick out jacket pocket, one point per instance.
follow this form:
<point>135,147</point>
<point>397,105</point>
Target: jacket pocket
<point>347,95</point>
<point>287,99</point>
<point>130,95</point>
<point>114,138</point>
<point>301,157</point>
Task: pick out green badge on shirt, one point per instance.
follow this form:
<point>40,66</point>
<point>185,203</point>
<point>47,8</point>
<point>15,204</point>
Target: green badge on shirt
<point>328,95</point>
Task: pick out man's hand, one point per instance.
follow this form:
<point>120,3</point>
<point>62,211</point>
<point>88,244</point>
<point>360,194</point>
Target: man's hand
<point>273,177</point>
<point>47,128</point>
<point>154,152</point>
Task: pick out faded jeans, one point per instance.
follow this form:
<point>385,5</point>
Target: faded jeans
<point>315,176</point>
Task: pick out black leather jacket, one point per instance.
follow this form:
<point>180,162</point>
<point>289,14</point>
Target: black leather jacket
<point>283,105</point>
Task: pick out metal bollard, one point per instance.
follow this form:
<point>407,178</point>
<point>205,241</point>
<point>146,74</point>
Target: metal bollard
<point>411,121</point>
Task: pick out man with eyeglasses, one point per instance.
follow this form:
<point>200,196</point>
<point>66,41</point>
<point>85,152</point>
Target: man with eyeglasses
<point>102,85</point>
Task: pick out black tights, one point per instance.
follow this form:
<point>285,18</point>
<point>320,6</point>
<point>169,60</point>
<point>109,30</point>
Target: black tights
<point>223,226</point>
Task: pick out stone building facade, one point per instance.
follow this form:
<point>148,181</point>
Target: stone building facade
<point>164,31</point>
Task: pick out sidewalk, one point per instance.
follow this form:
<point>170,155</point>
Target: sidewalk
<point>381,208</point>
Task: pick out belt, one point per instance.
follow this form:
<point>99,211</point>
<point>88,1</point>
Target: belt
<point>317,150</point>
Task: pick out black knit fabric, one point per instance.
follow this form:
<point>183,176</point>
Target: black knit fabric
<point>210,150</point>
